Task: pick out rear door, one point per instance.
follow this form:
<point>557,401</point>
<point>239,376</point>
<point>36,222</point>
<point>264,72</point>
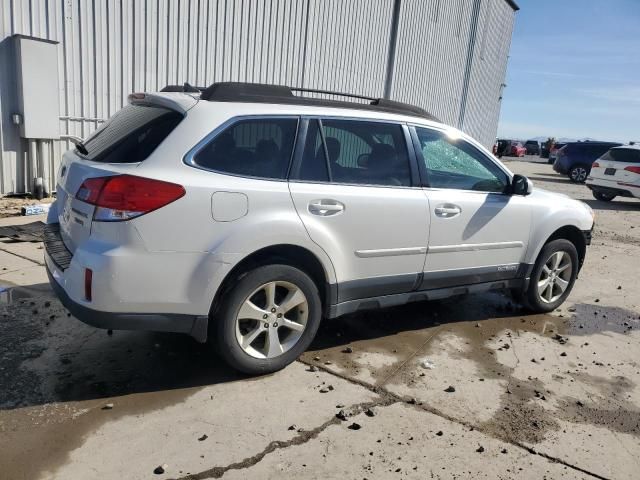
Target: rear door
<point>479,233</point>
<point>118,146</point>
<point>356,192</point>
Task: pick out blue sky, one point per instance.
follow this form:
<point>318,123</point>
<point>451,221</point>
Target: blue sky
<point>574,71</point>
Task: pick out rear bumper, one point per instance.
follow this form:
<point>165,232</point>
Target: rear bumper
<point>196,326</point>
<point>606,186</point>
<point>114,290</point>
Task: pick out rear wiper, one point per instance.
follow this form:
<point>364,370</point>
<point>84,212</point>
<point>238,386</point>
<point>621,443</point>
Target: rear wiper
<point>77,141</point>
<point>81,148</point>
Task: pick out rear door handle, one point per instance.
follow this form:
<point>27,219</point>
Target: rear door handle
<point>325,207</point>
<point>447,211</point>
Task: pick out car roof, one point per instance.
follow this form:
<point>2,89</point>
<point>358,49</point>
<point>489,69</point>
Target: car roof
<point>627,147</point>
<point>258,93</point>
<point>595,143</point>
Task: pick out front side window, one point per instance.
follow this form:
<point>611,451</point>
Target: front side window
<point>455,163</point>
<point>355,152</point>
<point>259,147</point>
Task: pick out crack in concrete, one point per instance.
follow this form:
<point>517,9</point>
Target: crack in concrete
<point>387,399</point>
<point>303,437</point>
<point>22,257</point>
<point>420,406</point>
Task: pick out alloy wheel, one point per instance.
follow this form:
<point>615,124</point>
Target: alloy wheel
<point>272,319</point>
<point>579,174</point>
<point>555,277</point>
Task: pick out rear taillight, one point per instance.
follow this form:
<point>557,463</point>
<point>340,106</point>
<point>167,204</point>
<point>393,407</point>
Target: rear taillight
<point>633,169</point>
<point>123,197</point>
<point>595,165</point>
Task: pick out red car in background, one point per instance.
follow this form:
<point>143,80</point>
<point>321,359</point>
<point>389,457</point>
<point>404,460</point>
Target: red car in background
<point>509,148</point>
<point>517,149</point>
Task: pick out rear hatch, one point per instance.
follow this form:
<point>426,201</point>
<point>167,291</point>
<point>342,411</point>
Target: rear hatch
<point>620,165</point>
<point>118,147</point>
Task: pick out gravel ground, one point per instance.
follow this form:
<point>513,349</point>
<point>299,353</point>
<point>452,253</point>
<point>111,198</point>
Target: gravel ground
<point>471,387</point>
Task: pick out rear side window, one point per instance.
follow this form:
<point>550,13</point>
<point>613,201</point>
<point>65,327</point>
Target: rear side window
<point>355,152</point>
<point>131,135</point>
<point>627,155</point>
<point>253,148</point>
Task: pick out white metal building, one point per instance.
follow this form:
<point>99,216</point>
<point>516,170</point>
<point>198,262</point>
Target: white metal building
<point>447,56</point>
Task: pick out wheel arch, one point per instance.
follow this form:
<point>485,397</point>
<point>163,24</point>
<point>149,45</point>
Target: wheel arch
<point>572,234</point>
<point>287,254</point>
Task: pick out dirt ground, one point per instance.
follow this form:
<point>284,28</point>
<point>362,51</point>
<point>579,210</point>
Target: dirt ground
<point>11,206</point>
<point>470,387</point>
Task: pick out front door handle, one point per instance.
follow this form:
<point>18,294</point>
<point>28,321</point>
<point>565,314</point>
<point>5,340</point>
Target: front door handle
<point>325,207</point>
<point>447,211</point>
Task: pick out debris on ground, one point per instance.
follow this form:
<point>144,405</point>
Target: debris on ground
<point>107,406</point>
<point>203,437</point>
<point>428,364</point>
<point>480,449</point>
<point>341,415</point>
<point>347,350</point>
<point>369,413</point>
<point>160,469</point>
<point>354,426</point>
<point>450,389</point>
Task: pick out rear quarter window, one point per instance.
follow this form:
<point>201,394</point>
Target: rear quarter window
<point>626,155</point>
<point>131,135</point>
<point>259,148</point>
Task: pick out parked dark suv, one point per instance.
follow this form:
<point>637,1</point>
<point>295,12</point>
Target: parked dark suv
<point>533,147</point>
<point>575,158</point>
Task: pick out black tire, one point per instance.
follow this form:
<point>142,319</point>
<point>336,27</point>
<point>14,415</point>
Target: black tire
<point>532,297</point>
<point>603,196</point>
<point>579,173</point>
<point>225,318</point>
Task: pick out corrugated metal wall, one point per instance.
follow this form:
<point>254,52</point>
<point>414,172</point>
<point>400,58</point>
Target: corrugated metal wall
<point>111,48</point>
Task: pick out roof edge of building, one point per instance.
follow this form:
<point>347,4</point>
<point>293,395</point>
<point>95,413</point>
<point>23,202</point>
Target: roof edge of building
<point>513,5</point>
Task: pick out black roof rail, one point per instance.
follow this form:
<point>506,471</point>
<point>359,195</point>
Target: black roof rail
<point>263,93</point>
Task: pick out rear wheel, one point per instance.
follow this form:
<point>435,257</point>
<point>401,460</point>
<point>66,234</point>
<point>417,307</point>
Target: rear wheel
<point>268,319</point>
<point>578,174</point>
<point>604,196</point>
<point>553,276</point>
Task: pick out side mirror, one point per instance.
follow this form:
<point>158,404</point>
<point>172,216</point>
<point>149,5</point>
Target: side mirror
<point>521,185</point>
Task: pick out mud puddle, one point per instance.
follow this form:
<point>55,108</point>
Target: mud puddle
<point>57,374</point>
<point>388,346</point>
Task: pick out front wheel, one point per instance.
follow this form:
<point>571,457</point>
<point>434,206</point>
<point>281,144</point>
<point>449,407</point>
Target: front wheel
<point>268,319</point>
<point>603,196</point>
<point>553,276</point>
<point>578,174</point>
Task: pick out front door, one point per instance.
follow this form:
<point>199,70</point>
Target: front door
<point>479,232</point>
<point>353,191</point>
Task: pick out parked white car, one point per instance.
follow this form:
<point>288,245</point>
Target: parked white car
<point>251,212</point>
<point>616,173</point>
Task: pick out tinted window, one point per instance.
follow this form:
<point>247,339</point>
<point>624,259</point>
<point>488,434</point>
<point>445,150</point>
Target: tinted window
<point>356,152</point>
<point>454,163</point>
<point>627,155</point>
<point>131,135</point>
<point>254,148</point>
